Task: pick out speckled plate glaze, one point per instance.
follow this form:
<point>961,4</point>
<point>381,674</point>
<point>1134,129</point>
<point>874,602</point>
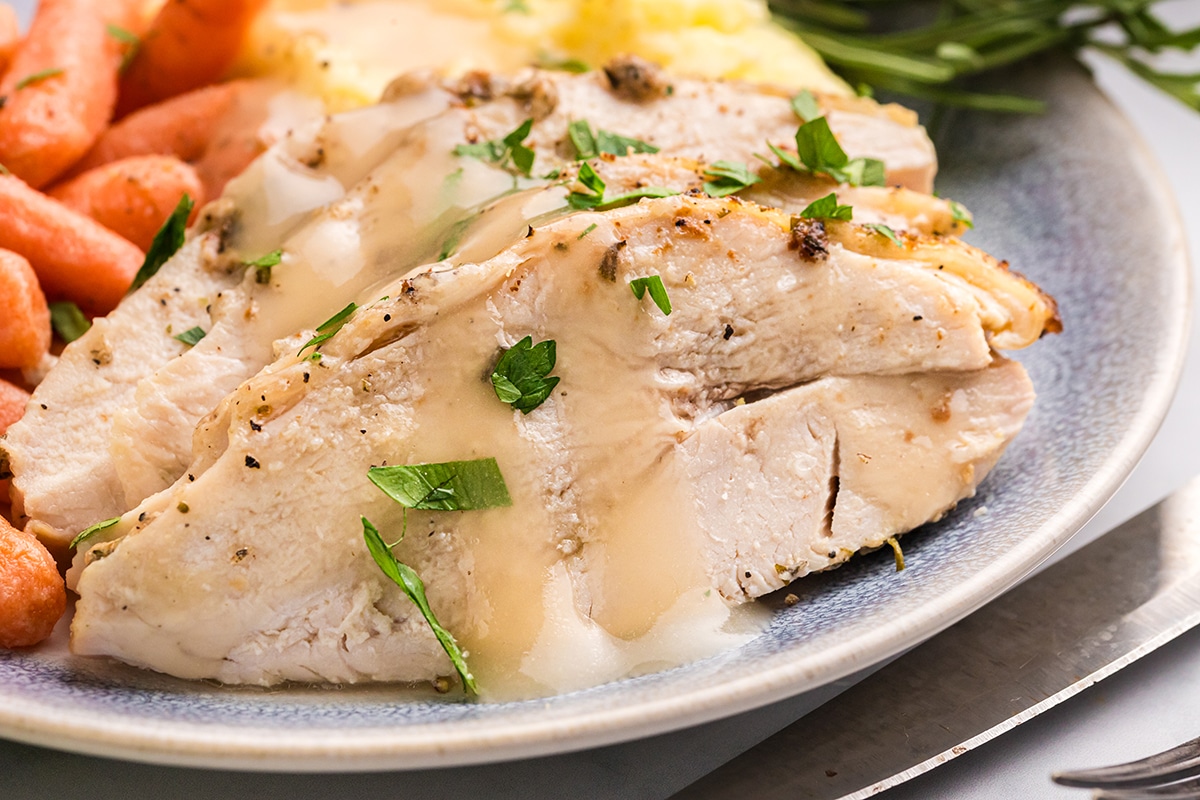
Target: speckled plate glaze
<point>1074,201</point>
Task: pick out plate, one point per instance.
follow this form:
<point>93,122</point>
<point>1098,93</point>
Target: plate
<point>1073,200</point>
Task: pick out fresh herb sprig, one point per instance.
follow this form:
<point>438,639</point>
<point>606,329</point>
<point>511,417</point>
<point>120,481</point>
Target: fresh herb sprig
<point>658,293</point>
<point>166,242</point>
<point>508,149</point>
<point>958,39</point>
<point>68,321</point>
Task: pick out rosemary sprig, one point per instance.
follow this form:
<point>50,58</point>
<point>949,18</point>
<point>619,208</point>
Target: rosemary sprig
<point>954,40</point>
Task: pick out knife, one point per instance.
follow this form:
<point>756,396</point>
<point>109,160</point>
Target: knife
<point>1077,622</point>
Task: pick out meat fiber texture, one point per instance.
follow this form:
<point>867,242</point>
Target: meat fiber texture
<point>808,373</point>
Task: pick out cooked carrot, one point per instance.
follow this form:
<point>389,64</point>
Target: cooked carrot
<point>132,197</point>
<point>24,315</point>
<point>191,43</point>
<point>32,593</point>
<point>61,87</point>
<point>12,404</point>
<point>180,127</point>
<point>75,257</point>
<point>10,35</point>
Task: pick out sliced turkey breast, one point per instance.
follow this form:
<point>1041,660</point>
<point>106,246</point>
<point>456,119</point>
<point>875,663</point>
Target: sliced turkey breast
<point>848,395</point>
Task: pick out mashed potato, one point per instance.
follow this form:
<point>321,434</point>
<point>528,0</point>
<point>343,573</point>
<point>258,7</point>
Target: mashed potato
<point>347,52</point>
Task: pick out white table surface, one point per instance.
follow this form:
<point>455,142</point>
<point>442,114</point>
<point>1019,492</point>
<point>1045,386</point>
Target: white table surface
<point>1150,706</point>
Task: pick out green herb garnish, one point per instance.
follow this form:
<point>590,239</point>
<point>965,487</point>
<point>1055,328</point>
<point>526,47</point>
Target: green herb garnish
<point>587,230</point>
<point>329,328</point>
<point>819,151</point>
<point>884,230</point>
<point>594,198</point>
<point>560,64</point>
<point>166,243</point>
<point>658,293</point>
<point>522,375</point>
<point>454,238</point>
<point>446,486</point>
<point>805,105</point>
<point>38,77</point>
<point>589,144</point>
<point>502,151</point>
<point>191,337</point>
<point>131,41</point>
<point>68,321</point>
<point>262,266</point>
<point>88,533</point>
<point>960,214</point>
<point>827,207</point>
<point>410,583</point>
<point>727,177</point>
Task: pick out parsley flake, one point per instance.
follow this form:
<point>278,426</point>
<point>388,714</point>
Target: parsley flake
<point>884,230</point>
<point>89,532</point>
<point>960,214</point>
<point>727,177</point>
<point>166,243</point>
<point>262,266</point>
<point>589,144</point>
<point>329,328</point>
<point>191,337</point>
<point>587,230</point>
<point>827,207</point>
<point>131,41</point>
<point>805,105</point>
<point>413,587</point>
<point>445,486</point>
<point>594,187</point>
<point>561,64</point>
<point>522,375</point>
<point>818,151</point>
<point>658,293</point>
<point>38,77</point>
<point>502,151</point>
<point>68,321</point>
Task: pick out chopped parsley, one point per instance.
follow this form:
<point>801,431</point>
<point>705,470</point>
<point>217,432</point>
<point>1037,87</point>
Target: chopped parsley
<point>727,177</point>
<point>827,207</point>
<point>510,148</point>
<point>329,328</point>
<point>131,41</point>
<point>191,337</point>
<point>593,197</point>
<point>522,375</point>
<point>561,64</point>
<point>805,105</point>
<point>960,214</point>
<point>410,583</point>
<point>262,266</point>
<point>454,238</point>
<point>658,293</point>
<point>589,144</point>
<point>587,230</point>
<point>818,151</point>
<point>88,533</point>
<point>445,486</point>
<point>167,241</point>
<point>68,321</point>
<point>38,77</point>
<point>884,230</point>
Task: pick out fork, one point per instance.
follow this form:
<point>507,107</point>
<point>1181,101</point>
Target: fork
<point>1173,773</point>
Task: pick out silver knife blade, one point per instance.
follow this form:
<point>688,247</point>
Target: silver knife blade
<point>1077,622</point>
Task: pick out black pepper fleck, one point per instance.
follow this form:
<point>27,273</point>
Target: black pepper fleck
<point>728,332</point>
<point>252,462</point>
<point>917,318</point>
<point>254,426</point>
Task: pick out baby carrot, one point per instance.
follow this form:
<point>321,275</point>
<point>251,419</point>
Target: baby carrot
<point>191,43</point>
<point>180,127</point>
<point>10,35</point>
<point>74,256</point>
<point>12,404</point>
<point>61,87</point>
<point>132,197</point>
<point>32,593</point>
<point>24,316</point>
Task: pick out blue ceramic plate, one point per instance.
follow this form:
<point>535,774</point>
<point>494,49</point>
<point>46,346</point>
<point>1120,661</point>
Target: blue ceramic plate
<point>1074,201</point>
